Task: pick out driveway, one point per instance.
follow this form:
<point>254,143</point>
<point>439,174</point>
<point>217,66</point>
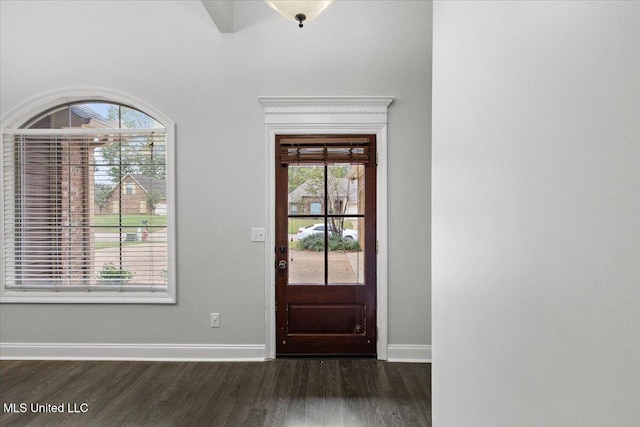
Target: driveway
<point>308,267</point>
<point>149,268</point>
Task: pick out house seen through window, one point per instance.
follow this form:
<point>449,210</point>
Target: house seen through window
<point>85,201</point>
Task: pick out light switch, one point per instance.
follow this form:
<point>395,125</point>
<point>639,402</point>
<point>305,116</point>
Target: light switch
<point>257,234</point>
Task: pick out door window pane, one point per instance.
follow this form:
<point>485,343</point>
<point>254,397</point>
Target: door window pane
<point>345,189</point>
<point>306,251</point>
<point>306,190</point>
<point>345,255</point>
<point>314,214</point>
<point>346,267</point>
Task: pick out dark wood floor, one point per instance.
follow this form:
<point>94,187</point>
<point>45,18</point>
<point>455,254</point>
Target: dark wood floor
<point>284,392</point>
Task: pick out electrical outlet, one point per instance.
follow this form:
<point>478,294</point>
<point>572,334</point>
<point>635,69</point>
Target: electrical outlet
<point>257,234</point>
<point>215,320</point>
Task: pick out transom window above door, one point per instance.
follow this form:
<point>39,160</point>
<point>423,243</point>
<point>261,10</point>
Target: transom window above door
<point>87,211</point>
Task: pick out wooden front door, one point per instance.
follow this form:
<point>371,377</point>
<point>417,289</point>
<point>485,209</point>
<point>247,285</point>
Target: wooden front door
<point>325,245</point>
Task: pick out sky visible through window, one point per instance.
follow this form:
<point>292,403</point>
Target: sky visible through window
<point>122,117</point>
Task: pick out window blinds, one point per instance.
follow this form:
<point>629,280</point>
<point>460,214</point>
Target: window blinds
<point>324,150</point>
<point>67,225</point>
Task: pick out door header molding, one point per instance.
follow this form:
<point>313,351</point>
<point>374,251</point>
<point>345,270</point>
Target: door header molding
<point>325,109</point>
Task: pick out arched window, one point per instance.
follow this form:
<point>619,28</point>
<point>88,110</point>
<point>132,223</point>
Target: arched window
<point>87,214</point>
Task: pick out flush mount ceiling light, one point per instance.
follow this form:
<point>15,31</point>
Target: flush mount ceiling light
<point>299,10</point>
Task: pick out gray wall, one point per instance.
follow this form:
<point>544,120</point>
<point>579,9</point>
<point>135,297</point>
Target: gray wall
<point>170,55</point>
<point>536,192</point>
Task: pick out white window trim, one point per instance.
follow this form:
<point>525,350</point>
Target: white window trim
<point>326,115</point>
<point>24,112</point>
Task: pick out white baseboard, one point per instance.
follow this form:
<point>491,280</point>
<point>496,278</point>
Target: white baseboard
<point>409,353</point>
<point>173,352</point>
<point>152,352</point>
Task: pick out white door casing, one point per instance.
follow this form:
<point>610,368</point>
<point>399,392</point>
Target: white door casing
<point>326,115</point>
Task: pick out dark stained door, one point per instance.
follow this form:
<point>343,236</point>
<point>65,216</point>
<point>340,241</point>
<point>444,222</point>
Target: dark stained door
<point>325,245</point>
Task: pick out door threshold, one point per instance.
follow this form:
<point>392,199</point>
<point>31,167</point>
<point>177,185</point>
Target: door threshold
<point>326,356</point>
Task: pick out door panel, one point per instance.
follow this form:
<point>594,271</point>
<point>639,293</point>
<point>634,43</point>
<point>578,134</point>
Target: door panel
<point>325,318</point>
<point>325,245</point>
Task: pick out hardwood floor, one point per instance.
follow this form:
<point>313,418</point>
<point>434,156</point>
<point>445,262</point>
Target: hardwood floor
<point>283,392</point>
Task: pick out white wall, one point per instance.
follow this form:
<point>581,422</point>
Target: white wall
<point>170,55</point>
<point>536,207</point>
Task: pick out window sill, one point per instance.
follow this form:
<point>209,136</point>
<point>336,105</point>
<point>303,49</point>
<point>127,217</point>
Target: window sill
<point>85,297</point>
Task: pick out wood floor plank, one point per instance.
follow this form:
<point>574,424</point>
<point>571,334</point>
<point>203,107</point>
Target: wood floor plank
<point>334,397</point>
<point>314,409</point>
<point>208,388</point>
<point>267,392</point>
<point>296,404</point>
<point>283,392</point>
<point>417,380</point>
<point>244,394</point>
<point>255,418</point>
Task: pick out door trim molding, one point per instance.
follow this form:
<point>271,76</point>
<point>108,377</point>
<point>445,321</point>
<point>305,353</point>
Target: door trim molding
<point>326,115</point>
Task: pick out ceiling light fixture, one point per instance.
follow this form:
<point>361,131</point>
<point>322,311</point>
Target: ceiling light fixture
<point>299,10</point>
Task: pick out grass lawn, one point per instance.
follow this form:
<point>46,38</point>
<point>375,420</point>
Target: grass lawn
<point>130,223</point>
<point>104,245</point>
